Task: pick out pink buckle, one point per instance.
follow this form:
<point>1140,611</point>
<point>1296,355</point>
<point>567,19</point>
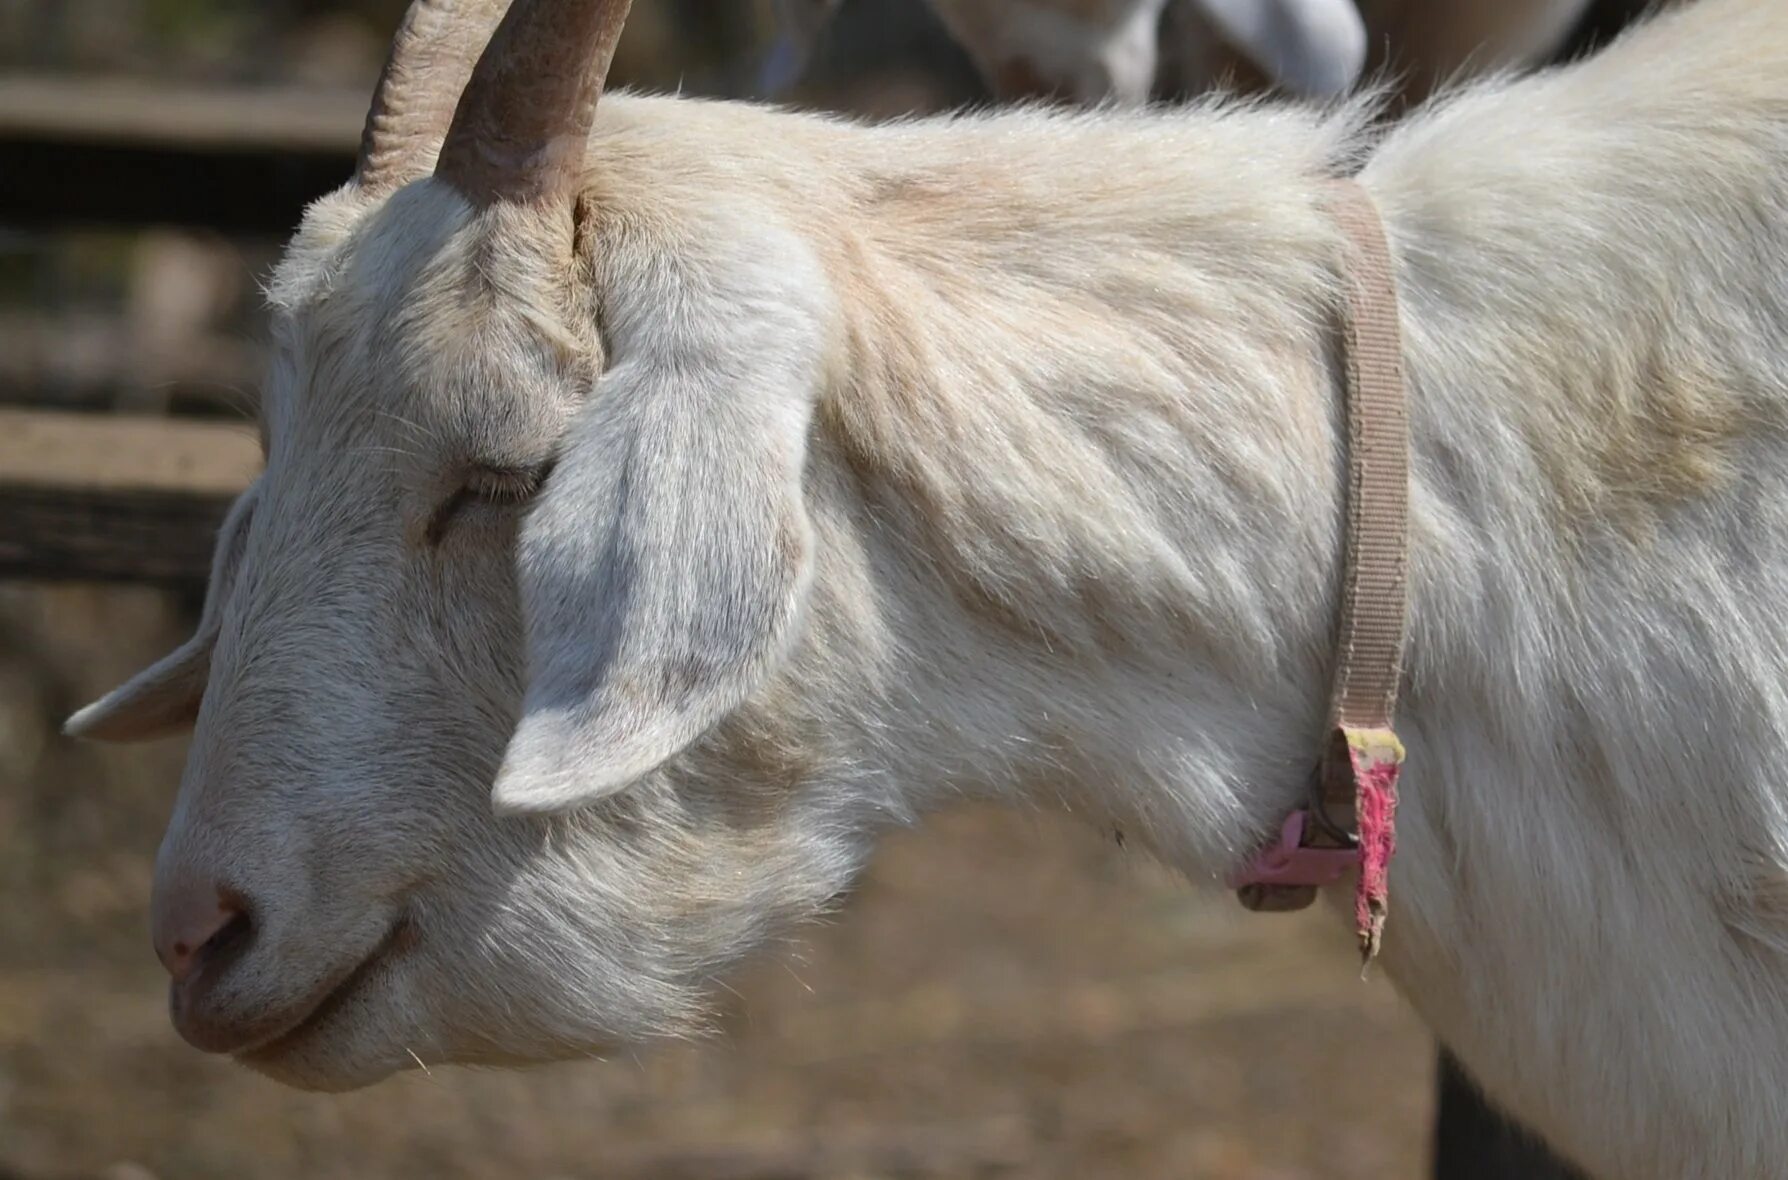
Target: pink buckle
<point>1288,862</point>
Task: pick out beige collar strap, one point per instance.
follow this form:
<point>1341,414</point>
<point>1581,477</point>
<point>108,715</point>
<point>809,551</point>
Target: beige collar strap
<point>1375,577</point>
<point>1350,821</point>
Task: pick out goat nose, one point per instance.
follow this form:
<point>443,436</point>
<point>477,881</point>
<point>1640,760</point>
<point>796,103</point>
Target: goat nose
<point>197,926</point>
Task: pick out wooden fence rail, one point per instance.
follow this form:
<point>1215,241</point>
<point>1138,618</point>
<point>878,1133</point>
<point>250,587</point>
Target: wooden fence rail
<point>98,497</point>
<point>118,152</point>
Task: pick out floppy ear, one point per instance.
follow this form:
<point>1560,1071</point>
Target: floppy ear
<point>1315,48</point>
<point>664,568</point>
<point>164,697</point>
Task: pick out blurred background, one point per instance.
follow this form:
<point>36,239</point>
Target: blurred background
<point>1006,995</point>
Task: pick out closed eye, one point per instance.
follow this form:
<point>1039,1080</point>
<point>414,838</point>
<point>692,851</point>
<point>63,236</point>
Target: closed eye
<point>488,486</point>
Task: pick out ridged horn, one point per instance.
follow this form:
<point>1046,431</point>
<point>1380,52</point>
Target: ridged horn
<point>521,127</point>
<point>430,60</point>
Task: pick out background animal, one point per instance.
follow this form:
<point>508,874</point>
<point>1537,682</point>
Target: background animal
<point>1131,50</point>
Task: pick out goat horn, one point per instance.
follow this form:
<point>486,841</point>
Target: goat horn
<point>432,55</point>
<point>523,122</point>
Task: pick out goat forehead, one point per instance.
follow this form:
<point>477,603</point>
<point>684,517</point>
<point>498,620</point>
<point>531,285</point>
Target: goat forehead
<point>471,389</point>
<point>415,309</point>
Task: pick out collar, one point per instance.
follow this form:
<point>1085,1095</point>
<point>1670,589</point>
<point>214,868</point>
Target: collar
<point>1350,821</point>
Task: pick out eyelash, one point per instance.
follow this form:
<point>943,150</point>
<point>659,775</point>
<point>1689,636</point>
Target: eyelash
<point>499,487</point>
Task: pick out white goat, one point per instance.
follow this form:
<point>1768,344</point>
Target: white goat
<point>1090,50</point>
<point>725,484</point>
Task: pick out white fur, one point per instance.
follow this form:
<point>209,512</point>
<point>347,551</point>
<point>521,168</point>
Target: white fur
<point>1061,394</point>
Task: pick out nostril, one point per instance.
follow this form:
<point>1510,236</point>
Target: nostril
<point>203,935</point>
<point>224,942</point>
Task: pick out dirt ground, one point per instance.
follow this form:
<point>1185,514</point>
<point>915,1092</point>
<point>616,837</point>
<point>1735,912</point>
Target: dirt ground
<point>1006,995</point>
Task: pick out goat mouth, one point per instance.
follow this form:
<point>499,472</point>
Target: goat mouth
<point>399,937</point>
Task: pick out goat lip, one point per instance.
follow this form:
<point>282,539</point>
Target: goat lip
<point>327,1000</point>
